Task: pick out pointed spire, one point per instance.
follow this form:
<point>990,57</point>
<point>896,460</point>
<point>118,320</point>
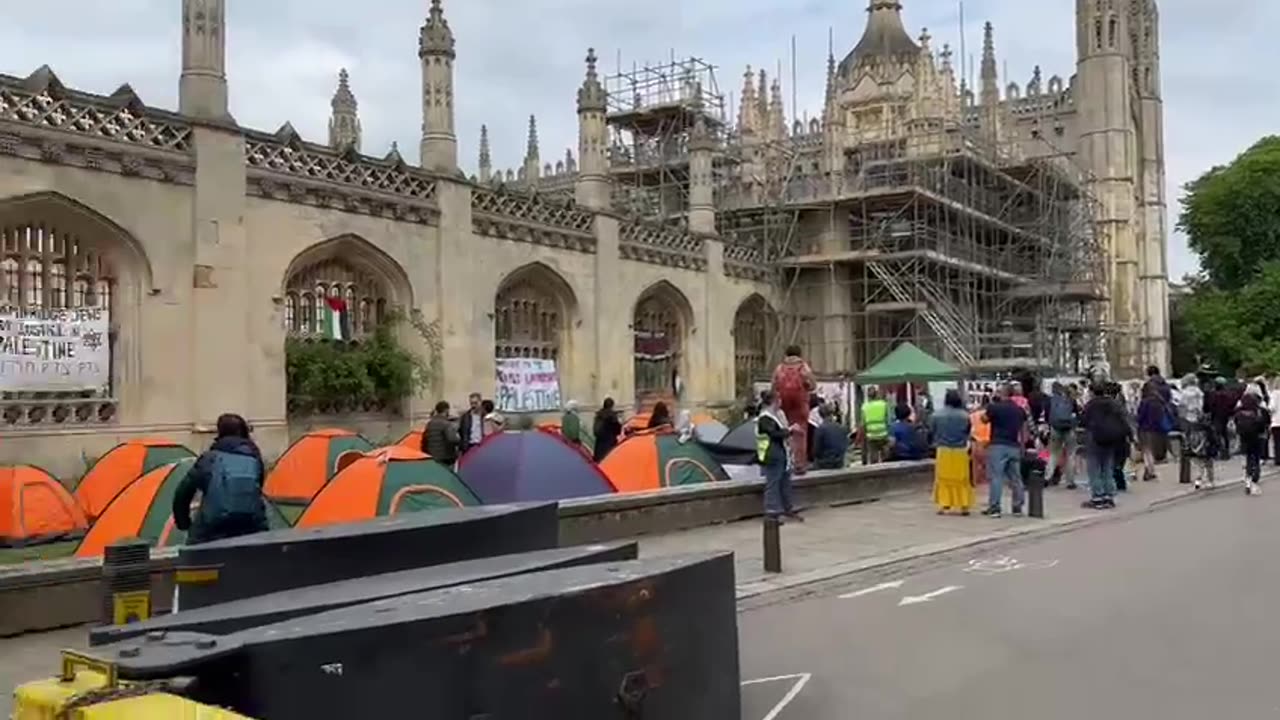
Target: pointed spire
<point>531,148</point>
<point>570,164</point>
<point>344,124</point>
<point>592,96</point>
<point>990,88</point>
<point>747,109</point>
<point>532,158</point>
<point>436,38</point>
<point>989,52</point>
<point>486,159</point>
<point>777,111</point>
<point>343,98</point>
<point>762,98</point>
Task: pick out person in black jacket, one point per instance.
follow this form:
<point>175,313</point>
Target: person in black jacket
<point>1107,432</point>
<point>229,477</point>
<point>606,429</point>
<point>773,442</point>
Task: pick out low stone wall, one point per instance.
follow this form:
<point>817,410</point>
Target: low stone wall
<point>62,593</point>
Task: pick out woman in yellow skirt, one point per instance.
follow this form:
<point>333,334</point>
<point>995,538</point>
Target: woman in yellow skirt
<point>950,427</point>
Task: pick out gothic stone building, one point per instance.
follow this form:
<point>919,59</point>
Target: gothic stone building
<point>211,243</point>
<point>638,266</point>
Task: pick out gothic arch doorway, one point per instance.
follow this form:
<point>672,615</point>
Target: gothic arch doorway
<point>78,277</point>
<point>660,326</point>
<point>754,326</point>
<point>532,320</point>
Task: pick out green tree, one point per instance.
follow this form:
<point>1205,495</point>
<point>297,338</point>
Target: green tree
<point>1239,329</point>
<point>1231,216</point>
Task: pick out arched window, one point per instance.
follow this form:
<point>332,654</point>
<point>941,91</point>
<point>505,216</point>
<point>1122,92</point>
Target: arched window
<point>36,269</point>
<point>529,316</point>
<point>659,331</point>
<point>754,326</point>
<point>310,288</point>
<point>52,258</point>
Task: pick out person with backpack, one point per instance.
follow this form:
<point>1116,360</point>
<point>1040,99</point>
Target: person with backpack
<point>1197,432</point>
<point>794,383</point>
<point>1252,422</point>
<point>1064,416</point>
<point>229,477</point>
<point>1107,431</point>
<point>1153,425</point>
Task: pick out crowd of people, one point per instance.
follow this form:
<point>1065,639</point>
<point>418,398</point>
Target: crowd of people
<point>1092,428</point>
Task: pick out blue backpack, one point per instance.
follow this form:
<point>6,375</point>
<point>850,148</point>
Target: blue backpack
<point>1062,413</point>
<point>235,491</point>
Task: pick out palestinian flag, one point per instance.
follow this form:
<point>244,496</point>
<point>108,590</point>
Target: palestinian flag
<point>336,323</point>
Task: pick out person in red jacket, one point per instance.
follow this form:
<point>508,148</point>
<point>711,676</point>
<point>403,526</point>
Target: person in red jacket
<point>793,381</point>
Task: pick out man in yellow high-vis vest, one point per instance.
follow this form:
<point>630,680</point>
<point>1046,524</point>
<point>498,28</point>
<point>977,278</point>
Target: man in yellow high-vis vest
<point>875,426</point>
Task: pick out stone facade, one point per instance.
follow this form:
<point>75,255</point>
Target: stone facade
<point>211,242</point>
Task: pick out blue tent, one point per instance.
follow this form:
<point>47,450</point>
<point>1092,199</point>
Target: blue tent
<point>530,466</point>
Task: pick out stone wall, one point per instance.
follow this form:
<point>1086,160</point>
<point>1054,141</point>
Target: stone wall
<point>206,245</point>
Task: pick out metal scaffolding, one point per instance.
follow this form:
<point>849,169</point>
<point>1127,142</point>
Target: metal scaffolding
<point>651,113</point>
<point>984,260</point>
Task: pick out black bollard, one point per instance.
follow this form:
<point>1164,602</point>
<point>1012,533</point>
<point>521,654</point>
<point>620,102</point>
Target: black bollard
<point>1035,492</point>
<point>1184,460</point>
<point>772,545</point>
<point>126,582</point>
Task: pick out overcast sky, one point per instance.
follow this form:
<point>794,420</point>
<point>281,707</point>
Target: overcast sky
<point>517,58</point>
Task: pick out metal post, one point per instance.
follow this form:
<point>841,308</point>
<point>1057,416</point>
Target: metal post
<point>126,582</point>
<point>1035,492</point>
<point>1178,441</point>
<point>772,545</point>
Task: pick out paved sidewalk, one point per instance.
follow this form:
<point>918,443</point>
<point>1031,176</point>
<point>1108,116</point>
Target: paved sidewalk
<point>840,541</point>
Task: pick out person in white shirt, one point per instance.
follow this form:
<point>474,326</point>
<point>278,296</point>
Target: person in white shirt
<point>1273,404</point>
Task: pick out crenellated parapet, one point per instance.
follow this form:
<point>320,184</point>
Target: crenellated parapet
<point>282,166</point>
<point>531,219</point>
<point>41,119</point>
<point>662,245</point>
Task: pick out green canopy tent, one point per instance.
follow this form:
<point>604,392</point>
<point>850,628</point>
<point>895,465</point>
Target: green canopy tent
<point>907,364</point>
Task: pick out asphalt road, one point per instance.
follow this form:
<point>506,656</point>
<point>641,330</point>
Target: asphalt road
<point>1170,614</point>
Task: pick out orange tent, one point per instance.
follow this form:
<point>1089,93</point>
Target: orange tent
<point>656,459</point>
<point>145,510</point>
<point>122,465</point>
<point>310,462</point>
<point>36,508</point>
<point>412,440</point>
<point>387,481</point>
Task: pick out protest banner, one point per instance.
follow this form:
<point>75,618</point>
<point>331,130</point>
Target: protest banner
<point>55,350</point>
<point>527,385</point>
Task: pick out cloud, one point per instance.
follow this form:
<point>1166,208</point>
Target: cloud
<point>522,58</point>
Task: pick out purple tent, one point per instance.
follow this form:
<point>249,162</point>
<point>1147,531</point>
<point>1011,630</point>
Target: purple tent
<point>530,466</point>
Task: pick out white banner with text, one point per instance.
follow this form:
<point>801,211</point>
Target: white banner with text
<point>55,350</point>
<point>528,385</point>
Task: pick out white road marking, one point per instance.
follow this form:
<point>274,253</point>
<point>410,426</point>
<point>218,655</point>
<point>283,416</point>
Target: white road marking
<point>916,599</point>
<point>1000,565</point>
<point>801,680</point>
<point>867,591</point>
